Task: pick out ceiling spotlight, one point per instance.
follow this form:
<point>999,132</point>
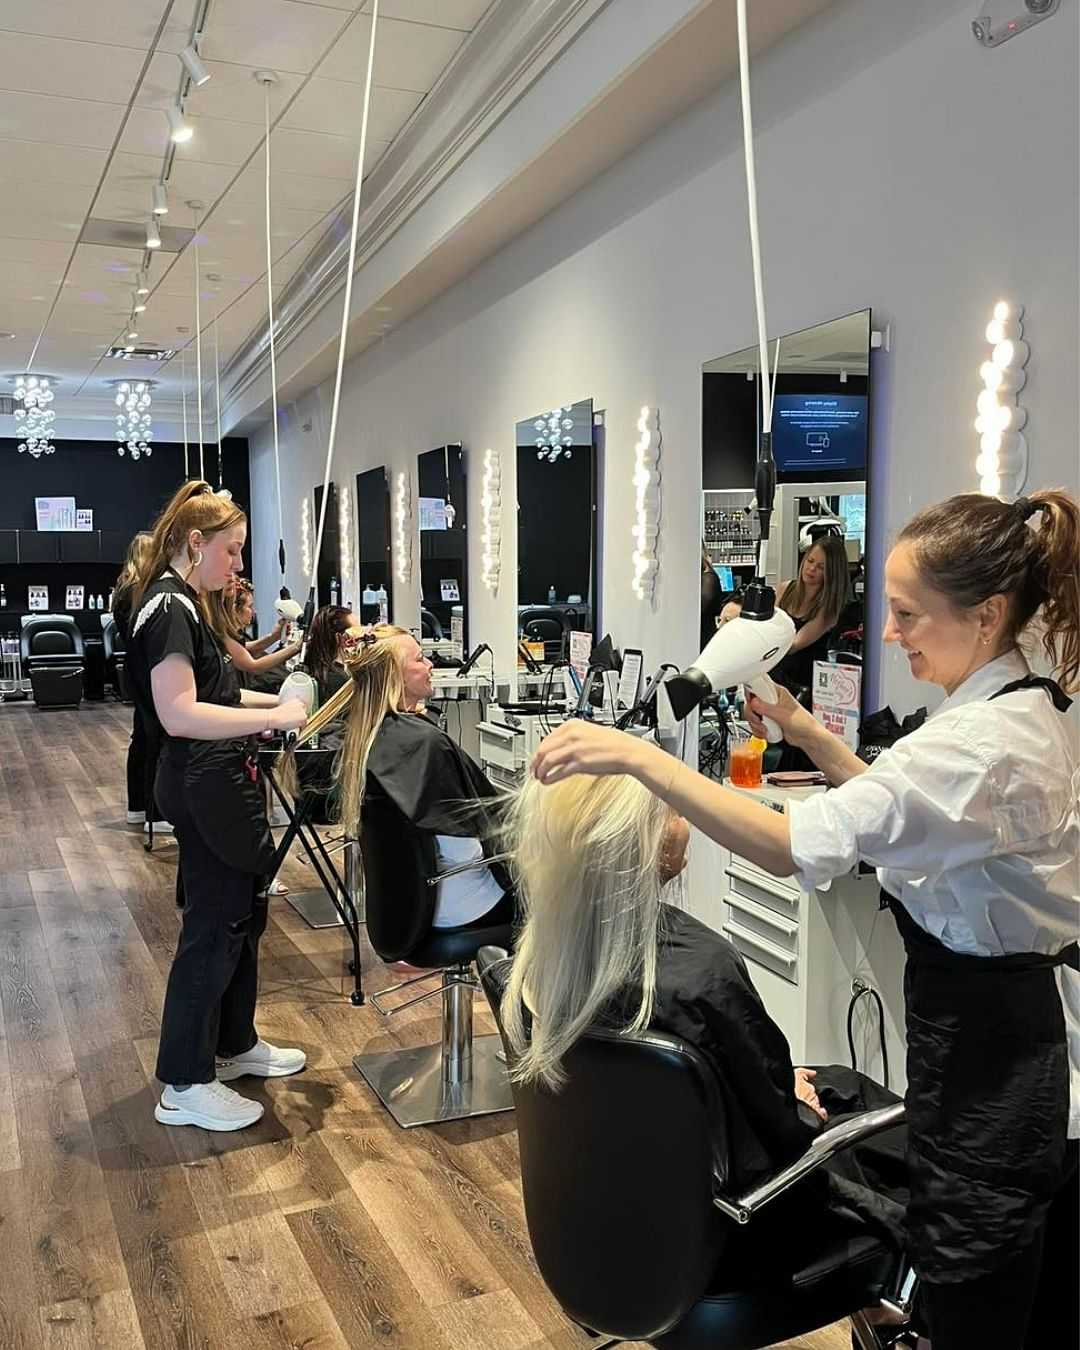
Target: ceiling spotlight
<point>179,131</point>
<point>161,200</point>
<point>141,285</point>
<point>153,239</point>
<point>138,306</point>
<point>189,59</point>
<point>129,348</point>
<point>133,334</point>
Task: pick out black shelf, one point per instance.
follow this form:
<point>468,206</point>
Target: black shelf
<point>19,548</point>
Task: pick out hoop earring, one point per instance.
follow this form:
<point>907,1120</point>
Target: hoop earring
<point>196,558</point>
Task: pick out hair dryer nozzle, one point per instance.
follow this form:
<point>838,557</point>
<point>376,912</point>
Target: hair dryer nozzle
<point>686,691</point>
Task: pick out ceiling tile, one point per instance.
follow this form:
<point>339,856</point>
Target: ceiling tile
<point>336,107</point>
<point>327,156</point>
<point>36,251</point>
<point>123,23</point>
<point>62,121</point>
<point>463,14</point>
<point>232,93</point>
<point>90,70</point>
<point>213,142</point>
<point>28,162</point>
<point>407,55</point>
<point>44,212</point>
<point>288,189</point>
<point>275,33</point>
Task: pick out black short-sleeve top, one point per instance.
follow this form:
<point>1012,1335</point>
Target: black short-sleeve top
<point>169,622</point>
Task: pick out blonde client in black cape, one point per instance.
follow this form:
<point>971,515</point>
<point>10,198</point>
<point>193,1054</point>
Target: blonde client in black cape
<point>973,822</point>
<point>392,750</point>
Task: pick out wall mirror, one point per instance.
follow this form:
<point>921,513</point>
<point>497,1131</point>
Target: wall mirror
<point>817,543</point>
<point>558,564</point>
<point>374,577</point>
<point>327,576</point>
<point>444,553</point>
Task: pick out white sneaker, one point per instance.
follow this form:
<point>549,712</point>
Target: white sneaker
<point>136,817</point>
<point>160,827</point>
<point>263,1060</point>
<point>212,1106</point>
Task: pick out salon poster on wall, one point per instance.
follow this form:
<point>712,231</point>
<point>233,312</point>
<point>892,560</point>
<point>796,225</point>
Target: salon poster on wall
<point>837,700</point>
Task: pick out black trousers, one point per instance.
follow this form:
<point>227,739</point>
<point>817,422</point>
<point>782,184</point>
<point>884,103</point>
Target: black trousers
<point>213,983</point>
<point>140,767</point>
<point>1031,1303</point>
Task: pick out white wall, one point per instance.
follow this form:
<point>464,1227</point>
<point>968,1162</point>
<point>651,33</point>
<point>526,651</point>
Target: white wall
<point>900,166</point>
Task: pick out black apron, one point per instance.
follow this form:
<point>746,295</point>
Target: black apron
<point>988,1094</point>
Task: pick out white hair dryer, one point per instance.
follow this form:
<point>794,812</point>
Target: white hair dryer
<point>299,684</point>
<point>743,651</point>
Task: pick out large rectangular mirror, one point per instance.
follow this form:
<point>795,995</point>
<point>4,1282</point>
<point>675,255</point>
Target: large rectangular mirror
<point>558,566</point>
<point>327,579</point>
<point>374,577</point>
<point>444,552</point>
<point>817,541</point>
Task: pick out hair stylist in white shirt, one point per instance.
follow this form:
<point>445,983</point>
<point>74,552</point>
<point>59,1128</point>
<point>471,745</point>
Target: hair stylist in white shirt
<point>973,822</point>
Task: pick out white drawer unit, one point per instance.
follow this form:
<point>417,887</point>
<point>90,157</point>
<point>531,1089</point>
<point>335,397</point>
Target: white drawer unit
<point>503,754</point>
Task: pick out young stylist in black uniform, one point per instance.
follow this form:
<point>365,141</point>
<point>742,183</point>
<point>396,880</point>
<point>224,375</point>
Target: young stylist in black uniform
<point>973,822</point>
<point>207,786</point>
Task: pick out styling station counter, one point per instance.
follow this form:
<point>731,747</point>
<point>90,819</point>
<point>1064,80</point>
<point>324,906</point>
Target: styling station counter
<point>805,948</point>
<point>461,702</point>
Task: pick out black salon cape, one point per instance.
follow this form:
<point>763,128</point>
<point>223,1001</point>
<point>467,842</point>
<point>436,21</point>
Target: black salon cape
<point>430,779</point>
<point>705,996</point>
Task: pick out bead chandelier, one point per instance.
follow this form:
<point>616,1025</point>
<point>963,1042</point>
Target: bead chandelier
<point>553,438</point>
<point>35,417</point>
<point>133,420</point>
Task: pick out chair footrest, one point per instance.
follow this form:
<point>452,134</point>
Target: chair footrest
<point>409,1083</point>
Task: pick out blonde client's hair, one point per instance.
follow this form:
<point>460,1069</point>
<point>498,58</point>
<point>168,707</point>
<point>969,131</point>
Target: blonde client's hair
<point>587,855</point>
<point>375,689</point>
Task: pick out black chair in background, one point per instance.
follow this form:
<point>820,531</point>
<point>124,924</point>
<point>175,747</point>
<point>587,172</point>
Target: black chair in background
<point>115,658</point>
<point>463,1075</point>
<point>546,625</point>
<point>639,1241</point>
<point>54,658</point>
<point>430,627</point>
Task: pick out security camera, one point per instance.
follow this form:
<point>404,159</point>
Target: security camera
<point>992,30</point>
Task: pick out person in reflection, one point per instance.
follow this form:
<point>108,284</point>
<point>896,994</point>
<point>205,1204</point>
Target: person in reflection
<point>391,749</point>
<point>601,945</point>
<point>712,597</point>
<point>815,600</point>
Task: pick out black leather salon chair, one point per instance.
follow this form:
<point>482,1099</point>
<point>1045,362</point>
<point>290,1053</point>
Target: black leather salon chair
<point>430,627</point>
<point>115,658</point>
<point>639,1240</point>
<point>463,1075</point>
<point>547,626</point>
<point>54,659</point>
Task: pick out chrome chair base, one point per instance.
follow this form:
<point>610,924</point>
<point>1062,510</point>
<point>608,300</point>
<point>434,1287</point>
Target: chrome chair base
<point>410,1083</point>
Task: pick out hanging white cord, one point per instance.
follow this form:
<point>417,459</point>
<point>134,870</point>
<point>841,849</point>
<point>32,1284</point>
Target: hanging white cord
<point>751,199</point>
<point>198,345</point>
<point>273,342</point>
<point>183,397</point>
<point>217,399</point>
<point>348,304</point>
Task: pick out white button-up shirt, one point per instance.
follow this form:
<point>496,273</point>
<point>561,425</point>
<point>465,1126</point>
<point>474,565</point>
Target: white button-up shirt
<point>973,823</point>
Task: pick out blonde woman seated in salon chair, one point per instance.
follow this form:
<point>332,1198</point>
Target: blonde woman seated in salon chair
<point>605,943</point>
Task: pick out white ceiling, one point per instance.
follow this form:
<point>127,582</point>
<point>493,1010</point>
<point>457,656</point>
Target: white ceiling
<point>83,89</point>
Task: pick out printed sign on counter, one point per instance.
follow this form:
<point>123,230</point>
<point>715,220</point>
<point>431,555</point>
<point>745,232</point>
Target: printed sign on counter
<point>37,598</point>
<point>837,696</point>
<point>84,518</point>
<point>55,513</point>
<point>74,597</point>
<point>580,651</point>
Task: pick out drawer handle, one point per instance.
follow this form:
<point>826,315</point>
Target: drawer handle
<point>763,884</point>
<point>762,914</point>
<point>762,944</point>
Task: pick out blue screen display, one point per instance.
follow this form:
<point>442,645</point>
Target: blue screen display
<point>726,576</point>
<point>819,432</point>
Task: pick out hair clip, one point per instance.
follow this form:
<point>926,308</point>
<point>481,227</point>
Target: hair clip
<point>353,640</point>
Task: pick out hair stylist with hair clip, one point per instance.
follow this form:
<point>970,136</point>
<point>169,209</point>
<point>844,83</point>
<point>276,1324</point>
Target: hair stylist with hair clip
<point>207,786</point>
<point>973,821</point>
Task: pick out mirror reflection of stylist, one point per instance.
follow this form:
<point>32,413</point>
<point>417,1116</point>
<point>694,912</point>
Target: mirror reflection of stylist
<point>973,822</point>
<point>207,786</point>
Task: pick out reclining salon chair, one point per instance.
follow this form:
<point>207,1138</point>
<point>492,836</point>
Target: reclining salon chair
<point>54,659</point>
<point>639,1242</point>
<point>464,1075</point>
<point>115,658</point>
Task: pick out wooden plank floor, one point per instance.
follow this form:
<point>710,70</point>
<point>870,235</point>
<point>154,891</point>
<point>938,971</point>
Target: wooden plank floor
<point>322,1227</point>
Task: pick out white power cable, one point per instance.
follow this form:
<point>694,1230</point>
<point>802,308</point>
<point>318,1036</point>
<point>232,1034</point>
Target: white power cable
<point>342,341</point>
<point>751,200</point>
<point>266,80</point>
<point>195,208</point>
<point>183,399</point>
<point>217,399</point>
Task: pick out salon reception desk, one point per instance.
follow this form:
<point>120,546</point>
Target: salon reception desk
<point>804,948</point>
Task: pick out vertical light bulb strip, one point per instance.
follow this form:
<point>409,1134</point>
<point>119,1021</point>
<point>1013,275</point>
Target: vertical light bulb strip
<point>646,525</point>
<point>1002,463</point>
<point>491,521</point>
<point>403,528</point>
<point>345,553</point>
<point>305,535</point>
